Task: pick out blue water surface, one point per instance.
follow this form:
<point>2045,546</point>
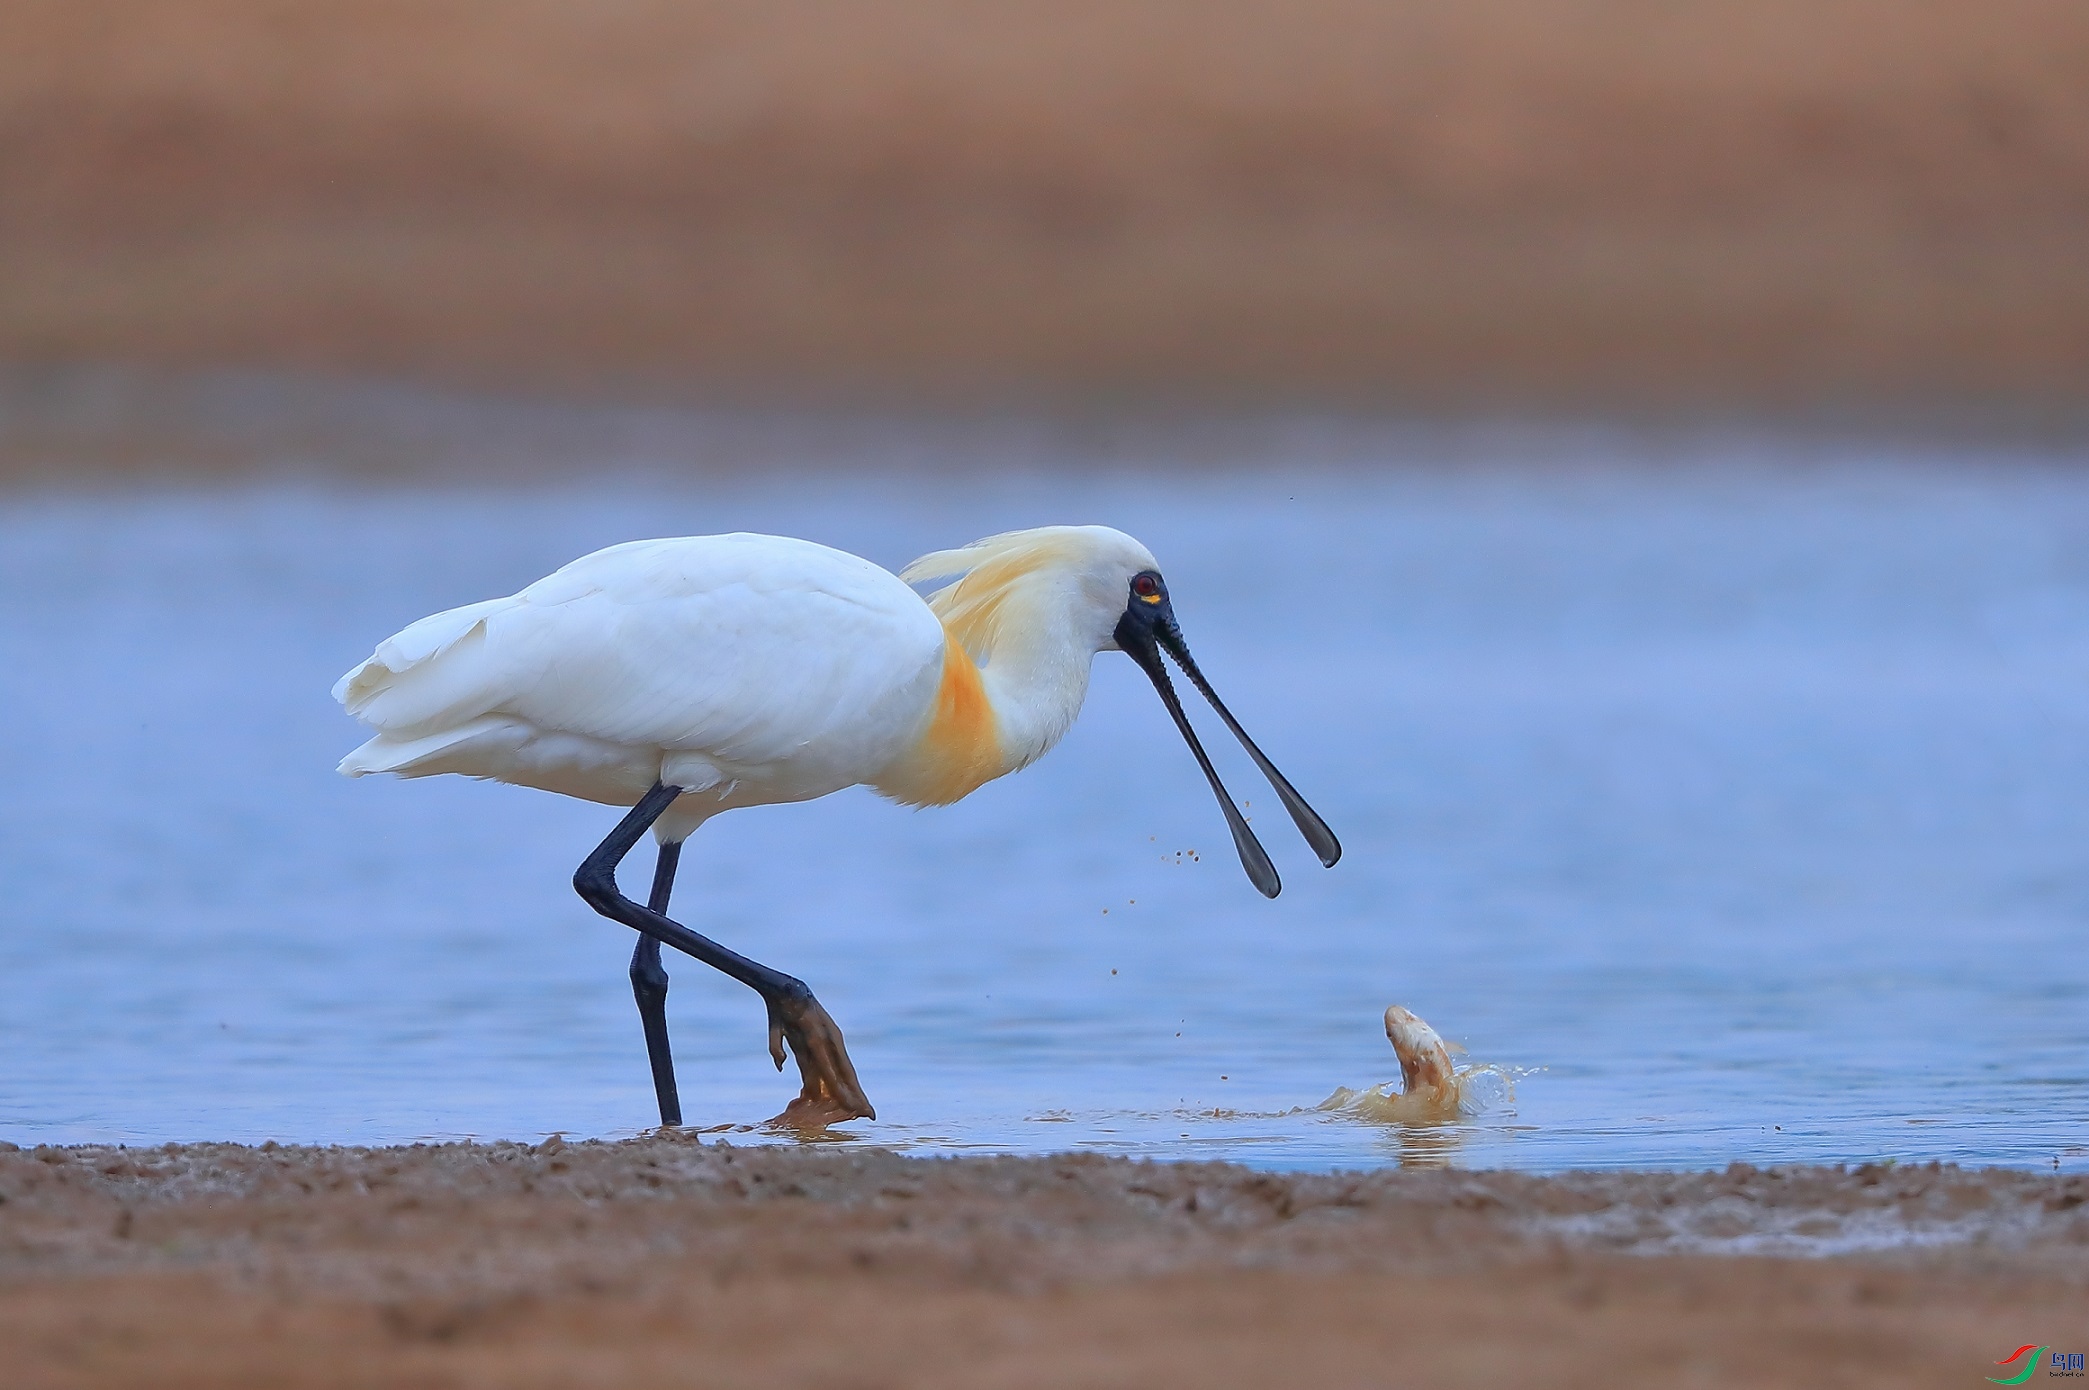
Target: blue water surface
<point>1740,791</point>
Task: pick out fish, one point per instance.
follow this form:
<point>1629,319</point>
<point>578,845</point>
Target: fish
<point>1432,1090</point>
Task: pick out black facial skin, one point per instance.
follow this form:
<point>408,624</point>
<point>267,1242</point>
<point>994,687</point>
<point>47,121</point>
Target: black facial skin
<point>1147,629</point>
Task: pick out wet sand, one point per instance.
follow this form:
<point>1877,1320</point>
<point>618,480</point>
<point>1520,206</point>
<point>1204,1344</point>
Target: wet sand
<point>664,1260</point>
<point>1753,201</point>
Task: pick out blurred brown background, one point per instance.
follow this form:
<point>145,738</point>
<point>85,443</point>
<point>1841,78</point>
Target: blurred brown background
<point>1624,202</point>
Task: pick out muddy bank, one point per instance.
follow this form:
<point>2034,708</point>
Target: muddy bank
<point>1732,201</point>
<point>662,1260</point>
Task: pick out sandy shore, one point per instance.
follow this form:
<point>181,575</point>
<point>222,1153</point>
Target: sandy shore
<point>1733,201</point>
<point>668,1261</point>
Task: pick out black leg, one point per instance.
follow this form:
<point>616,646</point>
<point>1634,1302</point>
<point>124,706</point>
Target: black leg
<point>649,988</point>
<point>831,1091</point>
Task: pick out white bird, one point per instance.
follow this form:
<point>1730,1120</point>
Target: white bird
<point>688,676</point>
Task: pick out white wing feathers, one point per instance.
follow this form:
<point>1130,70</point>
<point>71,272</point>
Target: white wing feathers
<point>419,676</point>
<point>414,645</point>
<point>742,649</point>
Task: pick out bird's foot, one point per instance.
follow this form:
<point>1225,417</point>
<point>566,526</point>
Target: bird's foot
<point>831,1093</point>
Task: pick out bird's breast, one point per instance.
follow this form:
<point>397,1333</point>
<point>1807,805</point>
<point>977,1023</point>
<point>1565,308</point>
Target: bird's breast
<point>959,750</point>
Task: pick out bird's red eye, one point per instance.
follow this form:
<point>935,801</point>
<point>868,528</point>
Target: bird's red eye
<point>1146,586</point>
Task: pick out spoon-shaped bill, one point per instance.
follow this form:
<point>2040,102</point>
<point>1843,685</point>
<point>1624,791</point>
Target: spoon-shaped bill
<point>1253,857</point>
<point>1307,819</point>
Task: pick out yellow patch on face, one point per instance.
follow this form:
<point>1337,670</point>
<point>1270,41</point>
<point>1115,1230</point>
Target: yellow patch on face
<point>960,751</point>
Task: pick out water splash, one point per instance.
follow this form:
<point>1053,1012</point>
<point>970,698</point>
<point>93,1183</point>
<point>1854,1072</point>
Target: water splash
<point>1432,1090</point>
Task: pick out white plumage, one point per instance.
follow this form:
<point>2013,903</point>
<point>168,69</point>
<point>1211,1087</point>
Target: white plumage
<point>749,665</point>
<point>745,669</point>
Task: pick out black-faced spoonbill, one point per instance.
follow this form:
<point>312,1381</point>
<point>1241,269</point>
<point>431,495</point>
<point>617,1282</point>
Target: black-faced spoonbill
<point>690,676</point>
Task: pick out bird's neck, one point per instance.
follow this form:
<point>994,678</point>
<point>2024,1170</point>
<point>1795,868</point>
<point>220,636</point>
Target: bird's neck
<point>1004,699</point>
<point>1035,677</point>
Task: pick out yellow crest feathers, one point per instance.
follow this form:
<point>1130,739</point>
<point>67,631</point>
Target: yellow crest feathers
<point>984,574</point>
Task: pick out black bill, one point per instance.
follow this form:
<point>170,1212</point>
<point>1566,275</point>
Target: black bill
<point>1144,641</point>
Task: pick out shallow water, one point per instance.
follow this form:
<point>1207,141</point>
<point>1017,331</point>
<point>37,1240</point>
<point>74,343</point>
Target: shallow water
<point>1744,795</point>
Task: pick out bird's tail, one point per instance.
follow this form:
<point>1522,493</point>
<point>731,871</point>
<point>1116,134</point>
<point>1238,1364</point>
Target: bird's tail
<point>411,647</point>
<point>440,751</point>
